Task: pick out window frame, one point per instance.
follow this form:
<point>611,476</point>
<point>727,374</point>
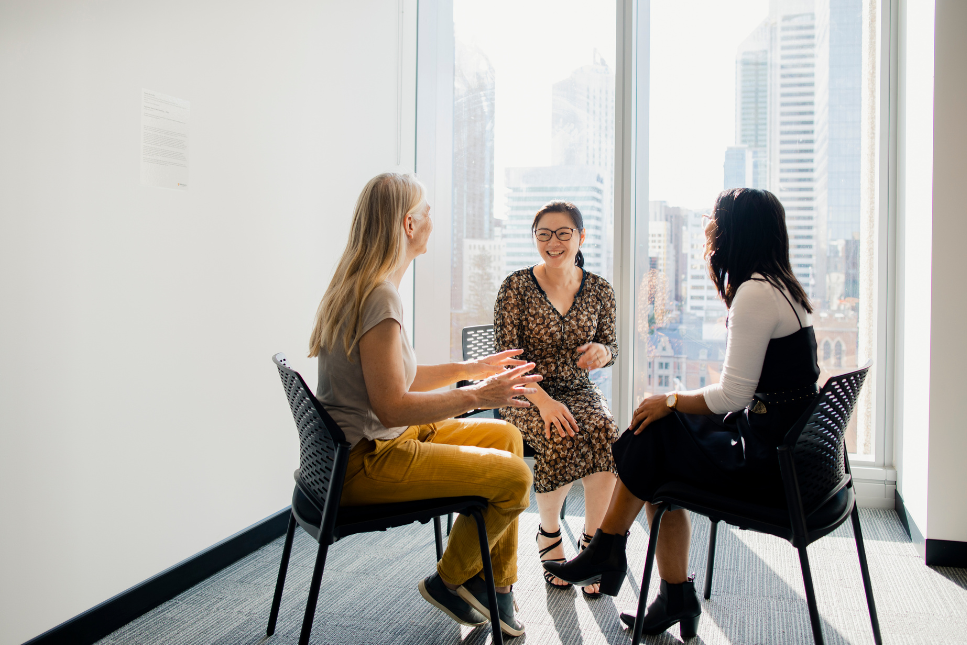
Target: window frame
<point>434,96</point>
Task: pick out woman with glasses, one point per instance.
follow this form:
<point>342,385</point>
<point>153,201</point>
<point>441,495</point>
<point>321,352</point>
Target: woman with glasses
<point>405,444</point>
<point>563,317</point>
<point>722,437</point>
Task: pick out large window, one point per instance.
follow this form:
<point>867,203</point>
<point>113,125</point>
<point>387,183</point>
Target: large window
<point>533,121</point>
<point>764,95</point>
<point>783,95</point>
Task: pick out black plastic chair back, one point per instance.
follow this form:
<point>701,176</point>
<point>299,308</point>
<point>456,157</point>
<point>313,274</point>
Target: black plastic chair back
<point>817,441</point>
<point>478,341</point>
<point>323,448</point>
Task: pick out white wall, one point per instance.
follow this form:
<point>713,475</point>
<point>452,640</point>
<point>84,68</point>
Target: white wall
<point>141,419</point>
<point>931,441</point>
<point>914,246</point>
<point>947,479</point>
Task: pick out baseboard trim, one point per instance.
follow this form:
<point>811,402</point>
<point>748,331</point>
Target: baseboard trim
<point>945,553</point>
<point>96,623</point>
<point>935,553</point>
<point>913,531</point>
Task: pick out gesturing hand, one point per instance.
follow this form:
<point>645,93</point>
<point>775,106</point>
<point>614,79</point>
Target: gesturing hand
<point>593,356</point>
<point>650,410</point>
<point>493,364</point>
<point>554,413</point>
<point>500,390</point>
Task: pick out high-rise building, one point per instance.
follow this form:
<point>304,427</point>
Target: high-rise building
<point>792,136</point>
<point>738,167</point>
<point>528,189</point>
<point>665,232</point>
<point>483,271</point>
<point>750,167</point>
<point>582,118</point>
<point>582,129</point>
<point>701,298</point>
<point>839,41</point>
<point>808,52</point>
<point>473,159</point>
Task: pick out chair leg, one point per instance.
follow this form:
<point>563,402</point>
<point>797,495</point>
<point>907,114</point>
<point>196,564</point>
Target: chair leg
<point>438,537</point>
<point>488,575</point>
<point>867,583</point>
<point>710,560</point>
<point>563,507</point>
<point>449,523</point>
<point>280,581</point>
<point>313,594</point>
<point>646,578</point>
<point>807,579</point>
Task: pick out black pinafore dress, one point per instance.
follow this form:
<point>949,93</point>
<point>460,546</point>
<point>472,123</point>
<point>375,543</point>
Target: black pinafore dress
<point>733,454</point>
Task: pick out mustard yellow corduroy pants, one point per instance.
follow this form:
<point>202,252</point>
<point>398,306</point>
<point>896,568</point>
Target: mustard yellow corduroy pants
<point>452,458</point>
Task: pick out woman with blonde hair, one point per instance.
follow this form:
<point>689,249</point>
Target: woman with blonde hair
<point>405,444</point>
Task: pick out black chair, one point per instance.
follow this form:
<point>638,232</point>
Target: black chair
<point>818,489</point>
<point>478,341</point>
<point>323,453</point>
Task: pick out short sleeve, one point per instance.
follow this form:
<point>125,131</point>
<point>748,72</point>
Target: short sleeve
<point>383,302</point>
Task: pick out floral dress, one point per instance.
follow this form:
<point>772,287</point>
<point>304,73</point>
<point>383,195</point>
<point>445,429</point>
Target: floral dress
<point>524,318</point>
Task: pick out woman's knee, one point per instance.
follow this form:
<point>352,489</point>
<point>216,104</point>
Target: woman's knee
<point>521,479</point>
<point>509,438</point>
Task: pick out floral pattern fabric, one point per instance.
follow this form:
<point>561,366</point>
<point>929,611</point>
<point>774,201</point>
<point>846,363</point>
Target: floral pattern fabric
<point>524,318</point>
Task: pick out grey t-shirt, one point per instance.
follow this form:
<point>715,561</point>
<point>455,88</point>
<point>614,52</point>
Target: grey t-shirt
<point>342,390</point>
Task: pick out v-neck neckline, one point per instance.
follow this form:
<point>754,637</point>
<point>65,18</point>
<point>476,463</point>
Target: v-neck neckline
<point>584,275</point>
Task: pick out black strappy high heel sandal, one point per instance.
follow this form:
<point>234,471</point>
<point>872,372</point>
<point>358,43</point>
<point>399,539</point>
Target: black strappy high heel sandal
<point>583,542</point>
<point>548,576</point>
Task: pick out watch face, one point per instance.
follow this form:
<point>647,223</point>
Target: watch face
<point>670,401</point>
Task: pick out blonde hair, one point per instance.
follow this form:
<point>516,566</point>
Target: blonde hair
<point>376,249</point>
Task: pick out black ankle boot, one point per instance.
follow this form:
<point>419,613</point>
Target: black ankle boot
<point>674,604</point>
<point>602,561</point>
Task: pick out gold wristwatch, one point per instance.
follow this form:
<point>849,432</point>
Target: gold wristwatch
<point>672,401</point>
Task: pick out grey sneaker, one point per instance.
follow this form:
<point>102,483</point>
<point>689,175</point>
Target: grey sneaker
<point>437,594</point>
<point>474,591</point>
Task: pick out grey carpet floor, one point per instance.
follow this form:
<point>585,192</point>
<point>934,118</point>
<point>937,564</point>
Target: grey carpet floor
<point>369,593</point>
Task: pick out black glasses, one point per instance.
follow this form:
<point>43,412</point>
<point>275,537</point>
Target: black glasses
<point>563,234</point>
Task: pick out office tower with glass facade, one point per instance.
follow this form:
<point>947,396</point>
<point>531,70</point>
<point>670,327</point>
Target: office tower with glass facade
<point>665,233</point>
<point>751,112</point>
<point>473,161</point>
<point>738,167</point>
<point>582,129</point>
<point>701,298</point>
<point>838,108</point>
<point>792,137</point>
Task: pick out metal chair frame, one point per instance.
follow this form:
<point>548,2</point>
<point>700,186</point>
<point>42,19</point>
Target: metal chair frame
<point>323,456</point>
<point>818,489</point>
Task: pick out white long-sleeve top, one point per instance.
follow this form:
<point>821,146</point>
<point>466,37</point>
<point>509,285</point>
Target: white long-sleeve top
<point>759,313</point>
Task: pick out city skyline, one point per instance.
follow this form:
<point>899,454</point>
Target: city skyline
<point>791,129</point>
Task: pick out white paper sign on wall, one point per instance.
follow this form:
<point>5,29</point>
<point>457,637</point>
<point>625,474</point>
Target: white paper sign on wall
<point>164,140</point>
